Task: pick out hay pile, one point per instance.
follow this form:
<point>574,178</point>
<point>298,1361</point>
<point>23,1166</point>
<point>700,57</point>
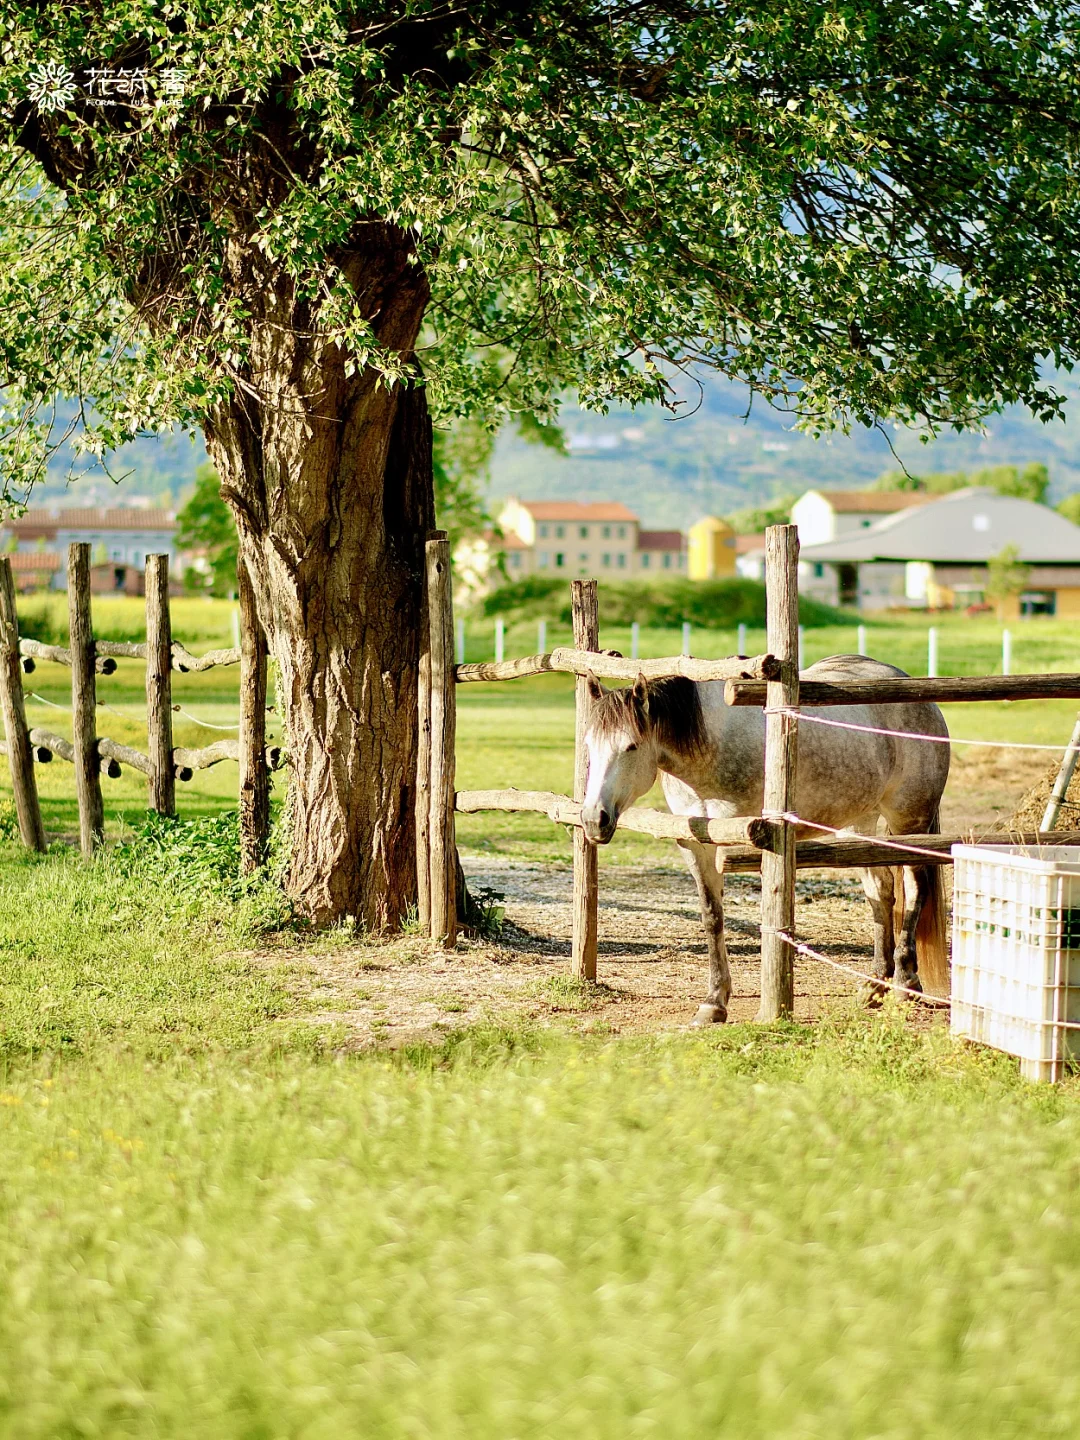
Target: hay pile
<point>1029,812</point>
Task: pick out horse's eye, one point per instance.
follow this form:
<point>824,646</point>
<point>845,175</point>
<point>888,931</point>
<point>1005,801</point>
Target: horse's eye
<point>630,747</point>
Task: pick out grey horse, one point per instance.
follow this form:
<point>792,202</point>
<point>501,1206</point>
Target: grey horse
<point>711,761</point>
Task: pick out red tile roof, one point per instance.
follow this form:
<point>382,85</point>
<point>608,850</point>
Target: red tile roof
<point>661,540</point>
<point>32,561</point>
<point>507,541</point>
<point>41,517</point>
<point>577,510</point>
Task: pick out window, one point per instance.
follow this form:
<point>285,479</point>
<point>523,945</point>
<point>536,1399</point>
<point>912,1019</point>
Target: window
<point>606,532</point>
<point>560,559</point>
<point>515,559</point>
<point>560,531</point>
<point>605,560</point>
<point>667,559</point>
<point>116,553</point>
<point>866,524</point>
<point>622,532</point>
<point>542,559</point>
<point>1038,602</point>
<point>583,532</point>
<point>819,570</point>
<point>583,557</point>
<point>621,560</point>
<point>645,560</point>
<point>543,532</point>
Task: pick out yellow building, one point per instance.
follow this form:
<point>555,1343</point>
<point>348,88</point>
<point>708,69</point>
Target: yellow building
<point>712,549</point>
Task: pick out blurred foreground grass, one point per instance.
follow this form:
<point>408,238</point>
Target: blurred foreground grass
<point>218,1219</point>
<point>852,1231</point>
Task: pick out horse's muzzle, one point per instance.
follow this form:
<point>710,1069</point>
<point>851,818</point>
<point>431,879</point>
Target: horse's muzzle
<point>599,825</point>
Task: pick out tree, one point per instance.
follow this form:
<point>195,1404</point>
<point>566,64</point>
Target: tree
<point>1006,576</point>
<point>756,519</point>
<point>206,523</point>
<point>1030,483</point>
<point>306,230</point>
<point>1070,507</point>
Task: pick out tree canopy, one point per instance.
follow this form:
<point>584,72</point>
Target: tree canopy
<point>1029,482</point>
<point>863,211</point>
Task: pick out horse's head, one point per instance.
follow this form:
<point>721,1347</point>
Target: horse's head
<point>622,756</point>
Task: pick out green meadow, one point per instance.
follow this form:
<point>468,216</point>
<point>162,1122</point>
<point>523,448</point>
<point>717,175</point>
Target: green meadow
<point>218,1217</point>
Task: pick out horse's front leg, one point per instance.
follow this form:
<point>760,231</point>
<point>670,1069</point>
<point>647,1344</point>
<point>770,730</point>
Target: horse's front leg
<point>878,888</point>
<point>709,879</point>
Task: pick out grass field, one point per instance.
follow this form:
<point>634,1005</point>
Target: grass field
<point>217,1218</point>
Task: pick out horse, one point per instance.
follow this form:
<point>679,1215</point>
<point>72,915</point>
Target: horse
<point>711,761</point>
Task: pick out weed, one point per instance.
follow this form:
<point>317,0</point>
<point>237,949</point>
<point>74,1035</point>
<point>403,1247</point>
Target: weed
<point>566,992</point>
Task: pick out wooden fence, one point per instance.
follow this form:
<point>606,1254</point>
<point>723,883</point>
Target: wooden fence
<point>92,755</point>
<point>756,843</point>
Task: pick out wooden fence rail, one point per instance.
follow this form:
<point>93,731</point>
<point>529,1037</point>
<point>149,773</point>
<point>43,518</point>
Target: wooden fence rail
<point>94,756</point>
<point>904,690</point>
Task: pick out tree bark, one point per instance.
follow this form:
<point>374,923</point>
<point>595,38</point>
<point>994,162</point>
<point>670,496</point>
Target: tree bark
<point>329,477</point>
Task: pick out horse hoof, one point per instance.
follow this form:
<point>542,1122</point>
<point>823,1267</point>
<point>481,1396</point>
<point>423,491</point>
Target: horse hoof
<point>911,983</point>
<point>709,1015</point>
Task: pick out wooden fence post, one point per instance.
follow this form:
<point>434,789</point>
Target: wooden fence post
<point>781,731</point>
<point>423,768</point>
<point>443,731</point>
<point>20,755</point>
<point>254,795</point>
<point>159,726</point>
<point>84,700</point>
<point>586,618</point>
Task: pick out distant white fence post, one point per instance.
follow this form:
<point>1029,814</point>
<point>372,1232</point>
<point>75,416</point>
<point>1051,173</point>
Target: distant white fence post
<point>686,637</point>
<point>931,651</point>
<point>1006,652</point>
<point>541,637</point>
<point>236,629</point>
<point>635,640</point>
<point>801,655</point>
<point>460,642</point>
<point>860,643</point>
<point>742,638</point>
<point>500,637</point>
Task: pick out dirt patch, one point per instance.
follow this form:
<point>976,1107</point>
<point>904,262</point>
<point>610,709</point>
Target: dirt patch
<point>985,785</point>
<point>651,965</point>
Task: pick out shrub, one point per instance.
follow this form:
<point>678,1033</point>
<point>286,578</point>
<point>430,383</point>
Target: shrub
<point>708,604</point>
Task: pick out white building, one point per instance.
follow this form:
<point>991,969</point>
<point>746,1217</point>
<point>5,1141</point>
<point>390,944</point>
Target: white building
<point>119,538</point>
<point>822,516</point>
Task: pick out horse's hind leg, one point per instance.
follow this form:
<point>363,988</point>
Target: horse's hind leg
<point>710,887</point>
<point>916,891</point>
<point>878,888</point>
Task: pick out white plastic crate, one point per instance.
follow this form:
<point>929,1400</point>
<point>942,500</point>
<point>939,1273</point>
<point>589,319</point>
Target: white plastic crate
<point>1016,952</point>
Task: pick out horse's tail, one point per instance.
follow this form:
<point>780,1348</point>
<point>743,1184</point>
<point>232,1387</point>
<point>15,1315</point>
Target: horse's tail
<point>931,942</point>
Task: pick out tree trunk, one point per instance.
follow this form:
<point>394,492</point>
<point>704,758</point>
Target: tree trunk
<point>329,477</point>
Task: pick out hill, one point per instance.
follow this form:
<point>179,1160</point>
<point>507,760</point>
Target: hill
<point>718,456</point>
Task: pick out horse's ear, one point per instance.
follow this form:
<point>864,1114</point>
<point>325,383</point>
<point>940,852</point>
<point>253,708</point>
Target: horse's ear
<point>592,684</point>
<point>640,695</point>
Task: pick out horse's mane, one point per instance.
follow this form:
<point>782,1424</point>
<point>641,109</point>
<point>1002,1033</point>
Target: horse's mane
<point>675,716</point>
